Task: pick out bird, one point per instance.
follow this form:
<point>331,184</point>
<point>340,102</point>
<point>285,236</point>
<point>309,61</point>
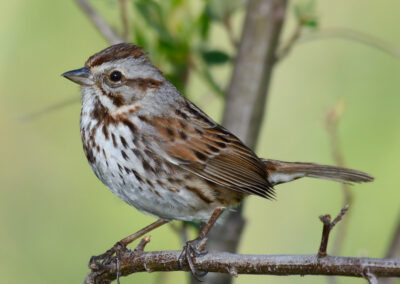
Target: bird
<point>160,153</point>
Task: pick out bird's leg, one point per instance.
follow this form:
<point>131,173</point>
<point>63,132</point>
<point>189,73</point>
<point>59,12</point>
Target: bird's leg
<point>196,247</point>
<point>106,257</point>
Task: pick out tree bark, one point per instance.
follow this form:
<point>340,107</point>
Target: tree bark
<point>246,101</point>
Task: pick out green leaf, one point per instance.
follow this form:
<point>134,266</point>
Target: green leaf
<point>151,12</point>
<point>214,57</point>
<point>312,23</point>
<point>140,38</point>
<point>204,24</point>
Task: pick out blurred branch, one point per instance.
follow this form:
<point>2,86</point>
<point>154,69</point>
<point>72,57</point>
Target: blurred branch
<point>348,34</point>
<point>332,120</point>
<point>51,108</point>
<point>126,262</point>
<point>352,35</point>
<point>246,101</point>
<point>100,24</point>
<point>247,93</point>
<point>229,30</point>
<point>393,250</point>
<point>126,26</point>
<point>285,49</point>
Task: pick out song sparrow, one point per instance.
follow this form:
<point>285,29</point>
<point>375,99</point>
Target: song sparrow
<point>160,153</point>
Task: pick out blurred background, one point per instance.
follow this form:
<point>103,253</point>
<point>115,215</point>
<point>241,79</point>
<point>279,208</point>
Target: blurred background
<point>54,212</point>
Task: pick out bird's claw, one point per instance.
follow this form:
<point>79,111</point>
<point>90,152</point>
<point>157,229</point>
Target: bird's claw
<point>190,251</point>
<point>98,261</point>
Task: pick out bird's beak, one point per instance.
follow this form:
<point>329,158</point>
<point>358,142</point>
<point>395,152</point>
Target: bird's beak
<point>81,76</point>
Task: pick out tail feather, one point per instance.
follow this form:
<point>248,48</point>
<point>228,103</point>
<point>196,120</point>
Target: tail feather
<point>281,172</point>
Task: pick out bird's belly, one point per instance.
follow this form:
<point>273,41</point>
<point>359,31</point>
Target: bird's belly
<point>153,199</point>
<point>146,183</point>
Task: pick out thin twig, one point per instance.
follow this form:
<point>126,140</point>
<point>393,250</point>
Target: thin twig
<point>36,114</point>
<point>328,226</point>
<point>98,21</point>
<point>126,26</point>
<point>229,30</point>
<point>285,49</point>
<point>332,120</point>
<point>357,36</point>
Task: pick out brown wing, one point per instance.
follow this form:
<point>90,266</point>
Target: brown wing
<point>205,148</point>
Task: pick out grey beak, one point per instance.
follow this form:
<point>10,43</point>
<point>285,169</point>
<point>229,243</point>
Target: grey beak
<point>80,76</point>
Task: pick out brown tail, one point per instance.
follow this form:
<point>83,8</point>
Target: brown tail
<point>281,172</point>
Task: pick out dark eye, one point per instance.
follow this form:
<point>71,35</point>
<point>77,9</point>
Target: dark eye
<point>115,76</point>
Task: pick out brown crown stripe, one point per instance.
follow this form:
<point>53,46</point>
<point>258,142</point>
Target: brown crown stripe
<point>115,52</point>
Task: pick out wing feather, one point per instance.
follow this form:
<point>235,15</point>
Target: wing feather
<point>211,152</point>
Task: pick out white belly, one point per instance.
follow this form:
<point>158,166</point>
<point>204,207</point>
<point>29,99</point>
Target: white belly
<point>117,161</point>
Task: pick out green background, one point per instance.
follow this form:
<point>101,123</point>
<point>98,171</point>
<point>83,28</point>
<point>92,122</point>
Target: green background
<point>55,214</point>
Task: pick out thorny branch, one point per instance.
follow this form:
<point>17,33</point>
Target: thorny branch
<point>126,262</point>
<point>99,22</point>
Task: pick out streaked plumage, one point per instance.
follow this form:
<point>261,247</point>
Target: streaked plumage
<point>160,153</point>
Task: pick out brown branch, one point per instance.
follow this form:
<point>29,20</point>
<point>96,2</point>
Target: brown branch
<point>246,101</point>
<point>126,262</point>
<point>101,25</point>
<point>132,262</point>
<point>246,97</point>
<point>328,226</point>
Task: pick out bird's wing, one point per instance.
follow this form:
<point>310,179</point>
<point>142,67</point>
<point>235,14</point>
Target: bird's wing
<point>201,146</point>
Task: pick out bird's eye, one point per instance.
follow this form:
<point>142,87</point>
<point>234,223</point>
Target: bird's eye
<point>115,76</point>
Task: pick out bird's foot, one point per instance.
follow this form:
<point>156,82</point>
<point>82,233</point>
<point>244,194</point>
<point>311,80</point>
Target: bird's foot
<point>190,251</point>
<point>99,261</point>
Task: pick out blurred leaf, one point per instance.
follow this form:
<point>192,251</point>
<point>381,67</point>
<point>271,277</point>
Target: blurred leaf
<point>140,38</point>
<point>204,24</point>
<point>214,57</point>
<point>306,14</point>
<point>312,23</point>
<point>151,12</point>
<point>219,10</point>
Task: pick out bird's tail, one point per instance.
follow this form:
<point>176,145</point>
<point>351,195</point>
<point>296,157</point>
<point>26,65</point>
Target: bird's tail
<point>281,172</point>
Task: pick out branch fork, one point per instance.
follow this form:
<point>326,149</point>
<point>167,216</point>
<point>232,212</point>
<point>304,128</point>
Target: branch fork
<point>327,228</point>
